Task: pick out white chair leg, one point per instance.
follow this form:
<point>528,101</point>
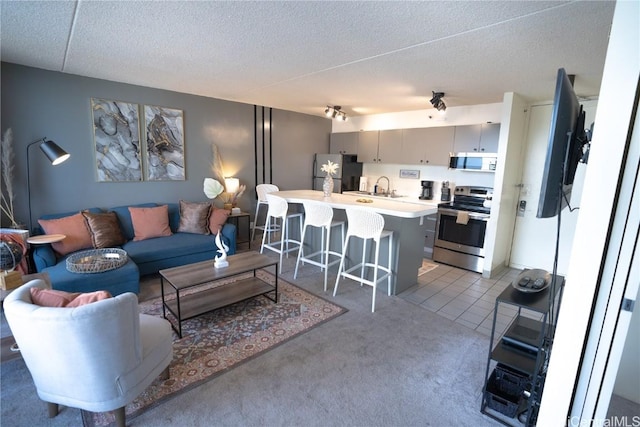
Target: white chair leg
<point>267,224</point>
<point>341,267</point>
<point>375,277</point>
<point>326,254</point>
<point>283,233</point>
<point>389,264</point>
<point>364,257</point>
<point>301,252</point>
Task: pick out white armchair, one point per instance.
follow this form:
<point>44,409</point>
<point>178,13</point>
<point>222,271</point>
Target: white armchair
<point>97,357</point>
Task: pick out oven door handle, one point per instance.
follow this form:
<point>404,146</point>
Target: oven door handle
<point>472,215</point>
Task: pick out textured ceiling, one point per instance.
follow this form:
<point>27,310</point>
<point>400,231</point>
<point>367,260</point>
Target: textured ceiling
<point>368,57</point>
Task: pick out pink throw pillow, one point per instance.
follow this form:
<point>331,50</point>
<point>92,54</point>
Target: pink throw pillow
<point>74,227</point>
<point>150,222</point>
<point>54,298</point>
<point>88,298</point>
<point>217,219</point>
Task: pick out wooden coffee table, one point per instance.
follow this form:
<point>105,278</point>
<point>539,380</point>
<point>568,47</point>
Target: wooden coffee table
<point>188,276</point>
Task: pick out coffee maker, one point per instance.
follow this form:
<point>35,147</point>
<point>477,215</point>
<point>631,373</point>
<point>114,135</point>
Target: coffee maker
<point>427,190</point>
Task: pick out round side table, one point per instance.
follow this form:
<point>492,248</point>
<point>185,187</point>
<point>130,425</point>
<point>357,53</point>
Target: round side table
<point>45,238</point>
<point>42,239</point>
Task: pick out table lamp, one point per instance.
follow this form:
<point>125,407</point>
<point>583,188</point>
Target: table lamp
<point>232,185</point>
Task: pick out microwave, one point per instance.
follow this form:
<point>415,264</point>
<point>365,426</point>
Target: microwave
<point>481,162</point>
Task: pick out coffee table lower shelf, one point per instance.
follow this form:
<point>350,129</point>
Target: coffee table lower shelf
<point>212,299</point>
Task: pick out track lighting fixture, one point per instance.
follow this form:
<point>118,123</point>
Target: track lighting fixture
<point>335,113</point>
<point>437,101</point>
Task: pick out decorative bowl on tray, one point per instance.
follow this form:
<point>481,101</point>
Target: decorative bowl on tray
<point>96,260</point>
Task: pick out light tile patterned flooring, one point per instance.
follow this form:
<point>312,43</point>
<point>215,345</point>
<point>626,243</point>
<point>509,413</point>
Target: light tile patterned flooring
<point>464,297</point>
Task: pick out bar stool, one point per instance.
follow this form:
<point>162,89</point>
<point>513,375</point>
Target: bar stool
<point>262,190</point>
<point>366,225</point>
<point>319,215</point>
<point>278,208</point>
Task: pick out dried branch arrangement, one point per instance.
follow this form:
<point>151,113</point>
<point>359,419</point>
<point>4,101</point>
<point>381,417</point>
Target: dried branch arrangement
<point>6,189</point>
<point>216,164</point>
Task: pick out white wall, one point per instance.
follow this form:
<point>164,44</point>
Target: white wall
<point>534,238</point>
<point>507,176</point>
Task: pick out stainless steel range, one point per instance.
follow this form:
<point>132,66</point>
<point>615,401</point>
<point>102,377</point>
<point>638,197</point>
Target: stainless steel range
<point>461,228</point>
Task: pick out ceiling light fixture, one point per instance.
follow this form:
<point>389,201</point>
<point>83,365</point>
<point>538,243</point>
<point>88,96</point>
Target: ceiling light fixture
<point>335,112</point>
<point>437,101</point>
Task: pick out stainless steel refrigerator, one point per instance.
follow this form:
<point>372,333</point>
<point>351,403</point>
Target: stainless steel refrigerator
<point>347,177</point>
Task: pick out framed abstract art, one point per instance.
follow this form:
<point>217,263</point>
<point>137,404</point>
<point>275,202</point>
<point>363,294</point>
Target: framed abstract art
<point>164,136</point>
<point>116,133</point>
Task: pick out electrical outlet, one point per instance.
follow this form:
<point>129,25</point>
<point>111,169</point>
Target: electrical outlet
<point>522,206</point>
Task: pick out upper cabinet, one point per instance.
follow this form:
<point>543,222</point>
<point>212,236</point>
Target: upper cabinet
<point>427,146</point>
<point>477,138</point>
<point>490,137</point>
<point>383,146</point>
<point>368,146</point>
<point>390,146</point>
<point>420,146</point>
<point>344,143</point>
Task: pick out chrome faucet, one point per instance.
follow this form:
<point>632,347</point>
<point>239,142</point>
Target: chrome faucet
<point>388,184</point>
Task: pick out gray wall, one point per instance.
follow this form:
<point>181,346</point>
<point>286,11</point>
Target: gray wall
<point>38,103</point>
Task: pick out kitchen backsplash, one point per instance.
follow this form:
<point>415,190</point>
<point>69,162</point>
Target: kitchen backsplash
<point>412,187</point>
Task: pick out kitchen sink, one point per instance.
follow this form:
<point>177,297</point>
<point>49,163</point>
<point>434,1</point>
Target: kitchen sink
<point>387,196</point>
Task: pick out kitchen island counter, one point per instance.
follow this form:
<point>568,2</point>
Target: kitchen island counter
<point>401,199</point>
<point>382,205</point>
<point>406,220</point>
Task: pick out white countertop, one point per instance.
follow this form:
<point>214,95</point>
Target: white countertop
<point>407,208</point>
<point>404,199</point>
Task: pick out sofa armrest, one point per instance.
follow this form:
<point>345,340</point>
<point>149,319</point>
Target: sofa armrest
<point>43,257</point>
<point>229,234</point>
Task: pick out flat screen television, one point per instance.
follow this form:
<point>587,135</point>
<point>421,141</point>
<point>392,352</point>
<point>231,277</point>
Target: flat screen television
<point>567,137</point>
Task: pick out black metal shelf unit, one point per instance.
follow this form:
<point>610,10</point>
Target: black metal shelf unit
<point>512,390</point>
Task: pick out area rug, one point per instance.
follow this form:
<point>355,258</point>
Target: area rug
<point>216,342</point>
<point>426,267</point>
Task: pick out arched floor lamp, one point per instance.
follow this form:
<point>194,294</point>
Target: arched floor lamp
<point>54,153</point>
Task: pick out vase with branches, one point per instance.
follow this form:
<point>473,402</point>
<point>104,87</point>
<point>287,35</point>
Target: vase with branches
<point>213,189</point>
<point>6,189</point>
<point>230,199</point>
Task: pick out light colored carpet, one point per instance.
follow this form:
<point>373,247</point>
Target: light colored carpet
<point>399,366</point>
<point>218,341</point>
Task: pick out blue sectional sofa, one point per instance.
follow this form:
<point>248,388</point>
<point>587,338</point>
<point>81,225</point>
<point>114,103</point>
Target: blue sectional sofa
<point>145,256</point>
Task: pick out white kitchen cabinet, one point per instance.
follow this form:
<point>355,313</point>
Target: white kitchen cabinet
<point>383,146</point>
<point>477,138</point>
<point>390,146</point>
<point>490,137</point>
<point>368,146</point>
<point>344,143</point>
<point>467,138</point>
<point>427,146</point>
